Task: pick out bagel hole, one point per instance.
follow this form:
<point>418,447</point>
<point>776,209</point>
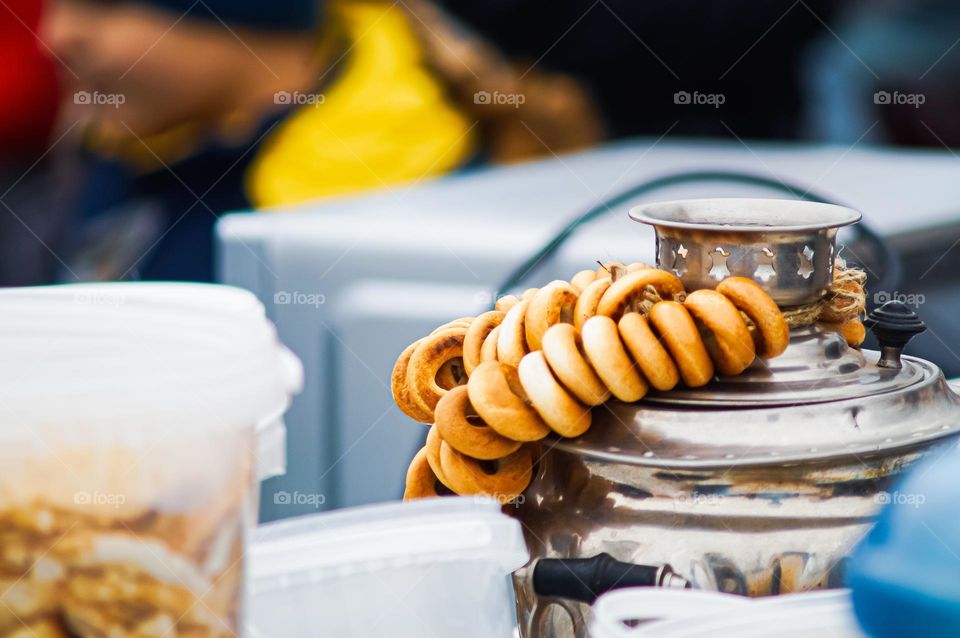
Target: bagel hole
<point>451,374</point>
<point>441,489</point>
<point>476,421</point>
<point>488,467</point>
<point>566,313</point>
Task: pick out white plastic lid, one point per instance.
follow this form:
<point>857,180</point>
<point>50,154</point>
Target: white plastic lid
<point>368,538</point>
<point>136,364</point>
<point>698,614</point>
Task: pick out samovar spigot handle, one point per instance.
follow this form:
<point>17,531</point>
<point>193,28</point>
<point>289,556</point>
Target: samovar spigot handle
<point>894,324</point>
<point>585,579</point>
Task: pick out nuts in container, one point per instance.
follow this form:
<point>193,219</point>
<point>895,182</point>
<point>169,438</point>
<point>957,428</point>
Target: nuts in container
<point>128,469</point>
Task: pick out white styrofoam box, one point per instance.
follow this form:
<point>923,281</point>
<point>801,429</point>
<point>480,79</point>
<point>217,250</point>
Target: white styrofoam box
<point>469,231</point>
<point>434,567</point>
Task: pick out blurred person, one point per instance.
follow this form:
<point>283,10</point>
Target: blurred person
<point>635,57</point>
<point>194,109</point>
<point>29,93</point>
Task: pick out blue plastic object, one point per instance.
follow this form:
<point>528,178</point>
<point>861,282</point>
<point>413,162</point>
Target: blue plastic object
<point>905,575</point>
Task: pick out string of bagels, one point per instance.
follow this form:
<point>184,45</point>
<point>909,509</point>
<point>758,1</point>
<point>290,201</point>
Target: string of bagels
<point>493,385</point>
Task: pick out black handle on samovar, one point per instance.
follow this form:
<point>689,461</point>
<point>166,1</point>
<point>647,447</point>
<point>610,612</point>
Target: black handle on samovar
<point>585,579</point>
<point>894,324</point>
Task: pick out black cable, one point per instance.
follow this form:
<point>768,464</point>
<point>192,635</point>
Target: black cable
<point>886,255</point>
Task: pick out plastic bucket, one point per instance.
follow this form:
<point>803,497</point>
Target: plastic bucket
<point>130,454</point>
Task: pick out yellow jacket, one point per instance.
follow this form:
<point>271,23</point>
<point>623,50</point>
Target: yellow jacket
<point>385,120</point>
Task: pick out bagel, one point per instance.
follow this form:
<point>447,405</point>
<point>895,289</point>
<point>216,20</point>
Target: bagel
<point>506,302</point>
<point>605,352</point>
<point>630,289</point>
<point>678,332</point>
<point>477,333</point>
<point>488,351</point>
<point>652,358</point>
<point>724,332</point>
<point>853,331</point>
<point>401,390</point>
<point>637,265</point>
<point>459,425</point>
<point>588,301</point>
<point>554,303</point>
<point>528,294</point>
<point>432,447</point>
<point>583,279</point>
<point>425,362</point>
<point>771,332</point>
<point>504,479</point>
<point>559,410</point>
<point>462,322</point>
<point>512,340</point>
<point>564,353</point>
<point>421,482</point>
<point>498,397</point>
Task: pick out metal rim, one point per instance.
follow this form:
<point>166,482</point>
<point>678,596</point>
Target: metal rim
<point>811,216</point>
<point>932,375</point>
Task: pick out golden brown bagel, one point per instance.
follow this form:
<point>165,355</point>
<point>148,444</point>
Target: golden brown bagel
<point>725,333</point>
<point>512,340</point>
<point>605,352</point>
<point>563,413</point>
<point>479,330</point>
<point>401,391</point>
<point>498,397</point>
<point>629,289</point>
<point>583,279</point>
<point>652,358</point>
<point>459,425</point>
<point>462,322</point>
<point>425,362</point>
<point>504,479</point>
<point>488,351</point>
<point>506,302</point>
<point>554,303</point>
<point>677,331</point>
<point>588,301</point>
<point>563,350</point>
<point>421,481</point>
<point>432,448</point>
<point>771,333</point>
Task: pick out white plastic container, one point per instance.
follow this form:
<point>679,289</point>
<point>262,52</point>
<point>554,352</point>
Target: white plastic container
<point>649,613</point>
<point>433,567</point>
<point>129,455</point>
<point>157,312</point>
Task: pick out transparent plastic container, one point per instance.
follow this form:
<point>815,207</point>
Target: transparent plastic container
<point>648,613</point>
<point>129,457</point>
<point>433,567</point>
